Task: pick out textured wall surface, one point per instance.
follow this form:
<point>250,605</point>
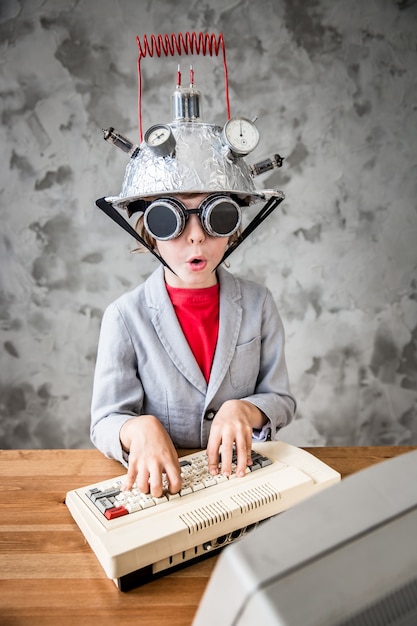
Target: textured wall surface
<point>334,87</point>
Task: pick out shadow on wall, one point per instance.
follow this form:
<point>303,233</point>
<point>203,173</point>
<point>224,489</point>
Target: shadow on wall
<point>370,413</point>
<point>28,419</point>
<point>387,414</point>
<point>343,402</point>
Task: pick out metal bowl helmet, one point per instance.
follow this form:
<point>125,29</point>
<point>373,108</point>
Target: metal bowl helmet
<point>201,163</point>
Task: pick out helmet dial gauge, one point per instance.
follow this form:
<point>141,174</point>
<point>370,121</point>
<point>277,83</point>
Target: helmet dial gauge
<point>160,139</point>
<point>240,135</point>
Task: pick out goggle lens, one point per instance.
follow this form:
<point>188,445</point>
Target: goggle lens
<point>223,218</point>
<point>163,221</point>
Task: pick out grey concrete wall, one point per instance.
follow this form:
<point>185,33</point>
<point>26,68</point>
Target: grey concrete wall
<point>334,86</point>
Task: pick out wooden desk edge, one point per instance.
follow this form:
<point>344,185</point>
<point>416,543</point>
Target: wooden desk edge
<point>90,462</point>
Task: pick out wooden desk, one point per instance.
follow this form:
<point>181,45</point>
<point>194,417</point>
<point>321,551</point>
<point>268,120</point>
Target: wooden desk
<point>48,574</point>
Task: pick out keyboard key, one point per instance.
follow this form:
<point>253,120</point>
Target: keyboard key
<point>147,502</point>
<point>116,512</point>
<point>103,504</point>
<point>209,481</point>
<point>220,478</point>
<point>172,496</point>
<point>133,507</point>
<point>160,500</point>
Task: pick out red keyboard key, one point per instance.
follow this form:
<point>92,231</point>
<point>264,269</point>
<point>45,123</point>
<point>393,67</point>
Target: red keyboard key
<point>116,511</point>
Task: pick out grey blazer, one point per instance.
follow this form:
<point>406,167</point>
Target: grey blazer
<point>145,365</point>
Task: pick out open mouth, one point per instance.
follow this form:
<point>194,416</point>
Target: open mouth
<point>197,263</point>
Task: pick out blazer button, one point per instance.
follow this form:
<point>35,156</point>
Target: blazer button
<point>210,414</point>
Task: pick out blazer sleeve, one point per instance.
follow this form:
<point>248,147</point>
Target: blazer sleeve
<point>272,393</point>
<point>117,391</point>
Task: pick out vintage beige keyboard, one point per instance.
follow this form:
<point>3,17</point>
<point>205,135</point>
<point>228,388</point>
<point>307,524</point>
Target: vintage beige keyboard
<point>138,538</point>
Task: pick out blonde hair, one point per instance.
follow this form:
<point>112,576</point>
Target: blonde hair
<point>141,230</point>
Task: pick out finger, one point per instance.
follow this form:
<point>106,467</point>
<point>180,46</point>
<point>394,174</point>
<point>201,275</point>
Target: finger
<point>143,480</point>
<point>249,448</point>
<point>155,483</point>
<point>213,454</point>
<point>227,455</point>
<point>243,453</point>
<point>173,475</point>
<point>129,479</point>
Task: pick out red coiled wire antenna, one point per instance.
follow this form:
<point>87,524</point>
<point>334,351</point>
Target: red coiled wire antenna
<point>170,45</point>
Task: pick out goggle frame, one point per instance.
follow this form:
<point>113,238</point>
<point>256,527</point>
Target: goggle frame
<point>177,210</point>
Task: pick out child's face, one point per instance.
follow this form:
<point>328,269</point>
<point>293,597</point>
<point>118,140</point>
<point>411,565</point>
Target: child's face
<point>193,255</point>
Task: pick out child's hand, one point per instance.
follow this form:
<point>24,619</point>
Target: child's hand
<point>233,426</point>
<point>151,452</point>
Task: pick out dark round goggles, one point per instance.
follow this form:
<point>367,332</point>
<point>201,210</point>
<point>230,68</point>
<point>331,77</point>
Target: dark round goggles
<point>165,218</point>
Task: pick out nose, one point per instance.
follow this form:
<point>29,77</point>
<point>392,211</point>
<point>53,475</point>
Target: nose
<point>194,230</point>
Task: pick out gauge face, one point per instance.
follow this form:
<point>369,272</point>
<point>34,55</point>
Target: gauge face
<point>157,135</point>
<point>240,135</point>
<point>160,139</point>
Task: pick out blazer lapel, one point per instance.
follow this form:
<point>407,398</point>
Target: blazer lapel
<point>229,329</point>
<point>170,334</point>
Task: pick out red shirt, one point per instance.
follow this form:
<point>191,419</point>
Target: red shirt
<point>198,314</point>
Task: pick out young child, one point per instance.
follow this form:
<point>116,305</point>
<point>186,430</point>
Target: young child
<point>194,357</point>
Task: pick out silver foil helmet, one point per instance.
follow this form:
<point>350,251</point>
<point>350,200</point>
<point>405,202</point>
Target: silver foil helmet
<point>200,163</point>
